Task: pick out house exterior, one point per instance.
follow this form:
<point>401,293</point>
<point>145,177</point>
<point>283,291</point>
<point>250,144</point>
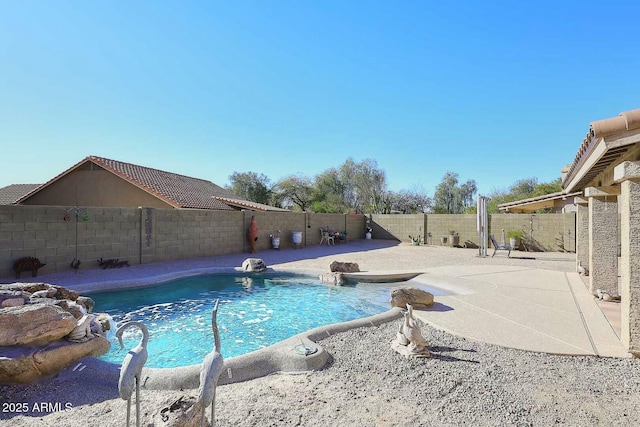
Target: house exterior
<point>557,202</point>
<point>603,183</point>
<point>606,169</point>
<point>97,181</point>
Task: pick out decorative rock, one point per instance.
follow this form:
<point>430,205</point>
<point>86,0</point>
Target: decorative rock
<point>34,363</point>
<point>253,265</point>
<point>184,412</point>
<point>87,303</point>
<point>64,293</point>
<point>13,302</point>
<point>344,267</point>
<point>34,324</point>
<point>31,288</point>
<point>45,293</point>
<point>401,296</point>
<point>6,294</point>
<point>335,278</point>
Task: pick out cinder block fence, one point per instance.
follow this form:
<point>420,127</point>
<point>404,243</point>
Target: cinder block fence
<point>57,235</point>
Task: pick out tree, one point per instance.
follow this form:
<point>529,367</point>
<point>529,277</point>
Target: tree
<point>522,189</point>
<point>328,192</point>
<point>451,198</point>
<point>297,189</point>
<point>365,186</point>
<point>409,201</point>
<point>353,186</point>
<point>250,186</point>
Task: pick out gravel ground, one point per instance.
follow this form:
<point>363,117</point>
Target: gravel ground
<point>367,384</point>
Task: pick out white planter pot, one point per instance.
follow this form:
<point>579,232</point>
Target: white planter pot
<point>275,242</point>
<point>367,236</point>
<point>296,237</point>
<point>514,242</point>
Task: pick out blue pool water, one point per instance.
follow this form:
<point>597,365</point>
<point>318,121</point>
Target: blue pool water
<point>254,312</point>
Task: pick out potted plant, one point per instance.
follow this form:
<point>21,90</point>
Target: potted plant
<point>454,239</point>
<point>367,232</point>
<point>515,237</point>
<point>275,240</point>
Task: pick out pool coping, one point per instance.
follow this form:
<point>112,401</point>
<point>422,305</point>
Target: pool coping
<point>280,357</point>
<point>277,358</point>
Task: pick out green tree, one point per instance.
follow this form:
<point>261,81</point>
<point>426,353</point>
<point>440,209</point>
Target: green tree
<point>452,198</point>
<point>250,186</point>
<point>353,186</point>
<point>522,189</point>
<point>409,202</point>
<point>365,186</point>
<point>328,192</point>
<point>297,189</point>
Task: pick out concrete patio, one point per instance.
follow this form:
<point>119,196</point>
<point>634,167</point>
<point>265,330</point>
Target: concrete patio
<point>534,302</point>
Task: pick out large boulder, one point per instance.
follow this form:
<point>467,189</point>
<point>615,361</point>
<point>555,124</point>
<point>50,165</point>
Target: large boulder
<point>12,302</point>
<point>417,298</point>
<point>74,308</point>
<point>7,294</point>
<point>253,265</point>
<point>34,324</point>
<point>25,364</point>
<point>344,267</point>
<point>53,291</point>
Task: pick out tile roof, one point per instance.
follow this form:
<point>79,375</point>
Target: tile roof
<point>240,203</point>
<point>14,192</point>
<point>178,190</point>
<point>546,199</point>
<point>624,122</point>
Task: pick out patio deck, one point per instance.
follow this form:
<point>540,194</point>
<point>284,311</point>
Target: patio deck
<point>535,302</point>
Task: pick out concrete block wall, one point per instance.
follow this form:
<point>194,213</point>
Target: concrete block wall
<point>193,233</point>
<point>335,222</point>
<point>551,232</point>
<point>547,232</point>
<point>146,234</point>
<point>399,227</point>
<point>441,225</point>
<point>43,232</point>
<point>355,226</point>
<point>269,223</point>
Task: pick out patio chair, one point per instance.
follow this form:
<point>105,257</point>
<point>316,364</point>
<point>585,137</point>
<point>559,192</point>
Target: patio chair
<point>497,247</point>
<point>325,236</point>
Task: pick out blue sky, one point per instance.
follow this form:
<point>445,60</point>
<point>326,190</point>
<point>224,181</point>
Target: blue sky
<point>495,91</point>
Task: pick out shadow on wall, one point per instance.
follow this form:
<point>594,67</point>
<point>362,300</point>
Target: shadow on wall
<point>379,232</point>
<point>529,244</point>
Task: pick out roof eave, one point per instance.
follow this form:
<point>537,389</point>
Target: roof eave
<point>596,150</point>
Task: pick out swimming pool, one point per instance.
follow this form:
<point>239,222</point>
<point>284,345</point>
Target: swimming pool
<point>254,312</point>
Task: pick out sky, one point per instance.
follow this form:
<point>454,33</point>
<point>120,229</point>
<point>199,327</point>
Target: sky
<point>494,91</point>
